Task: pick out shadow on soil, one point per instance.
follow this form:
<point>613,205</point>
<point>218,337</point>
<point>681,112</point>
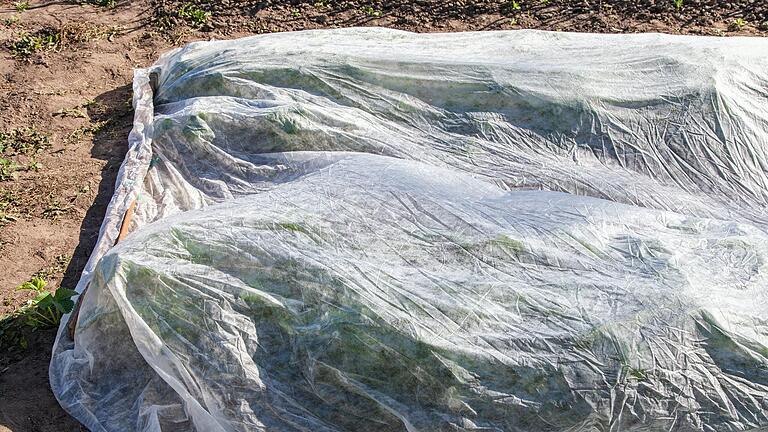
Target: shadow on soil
<point>26,401</point>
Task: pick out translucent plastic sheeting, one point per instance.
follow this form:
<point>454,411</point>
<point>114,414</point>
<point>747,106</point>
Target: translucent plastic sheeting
<point>373,230</point>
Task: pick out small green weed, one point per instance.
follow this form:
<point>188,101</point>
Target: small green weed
<point>79,133</point>
<point>54,39</point>
<point>8,169</point>
<point>5,219</point>
<point>34,284</point>
<point>515,5</point>
<point>55,209</point>
<point>371,11</point>
<point>26,141</point>
<point>678,4</point>
<point>7,199</point>
<point>22,141</point>
<point>47,308</point>
<point>194,15</point>
<point>12,20</point>
<point>737,24</point>
<point>59,265</point>
<point>34,165</point>
<point>28,44</point>
<point>7,202</point>
<point>44,311</point>
<point>21,6</point>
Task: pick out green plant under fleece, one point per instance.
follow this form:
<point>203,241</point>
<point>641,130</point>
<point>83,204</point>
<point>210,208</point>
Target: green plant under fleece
<point>375,230</point>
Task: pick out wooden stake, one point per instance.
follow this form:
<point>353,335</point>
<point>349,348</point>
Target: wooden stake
<point>72,323</point>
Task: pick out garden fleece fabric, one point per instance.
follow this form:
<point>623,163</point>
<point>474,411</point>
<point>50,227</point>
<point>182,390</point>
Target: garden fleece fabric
<point>375,230</point>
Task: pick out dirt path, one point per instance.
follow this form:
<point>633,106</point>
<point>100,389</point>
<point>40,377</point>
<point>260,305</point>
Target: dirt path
<point>65,74</point>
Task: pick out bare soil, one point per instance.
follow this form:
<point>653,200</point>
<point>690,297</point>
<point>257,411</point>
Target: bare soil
<point>75,91</point>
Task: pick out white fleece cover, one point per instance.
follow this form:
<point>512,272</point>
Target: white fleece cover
<point>375,230</point>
